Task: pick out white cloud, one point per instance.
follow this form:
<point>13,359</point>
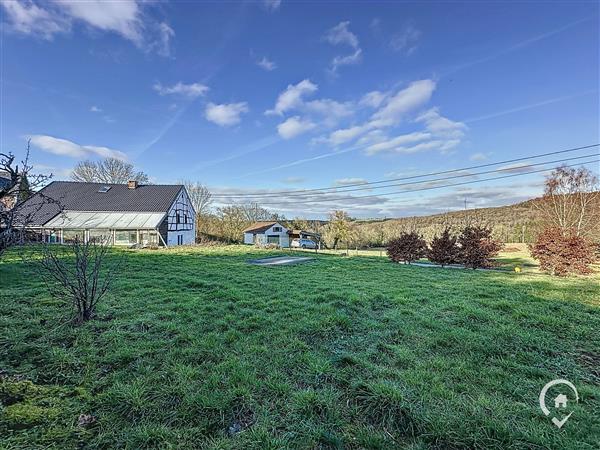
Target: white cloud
<point>191,90</point>
<point>65,147</point>
<point>396,107</point>
<point>405,41</point>
<point>294,126</point>
<point>95,109</point>
<point>292,97</point>
<point>478,156</point>
<point>347,181</point>
<point>344,135</point>
<point>266,64</point>
<point>397,144</point>
<point>272,5</point>
<point>225,114</point>
<point>442,126</point>
<point>124,17</point>
<point>373,99</point>
<point>28,18</point>
<point>341,35</point>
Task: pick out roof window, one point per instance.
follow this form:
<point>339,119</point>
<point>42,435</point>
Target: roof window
<point>104,189</point>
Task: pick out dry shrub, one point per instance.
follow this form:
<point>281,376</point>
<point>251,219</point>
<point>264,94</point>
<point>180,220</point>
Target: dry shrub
<point>408,247</point>
<point>561,252</point>
<point>477,248</point>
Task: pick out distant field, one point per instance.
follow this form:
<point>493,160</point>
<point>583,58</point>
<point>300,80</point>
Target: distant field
<point>195,348</point>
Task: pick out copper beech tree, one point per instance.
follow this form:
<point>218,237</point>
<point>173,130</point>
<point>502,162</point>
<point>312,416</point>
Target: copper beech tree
<point>408,247</point>
<point>571,210</point>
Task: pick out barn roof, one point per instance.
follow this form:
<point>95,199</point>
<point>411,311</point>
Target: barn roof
<point>76,196</point>
<point>259,227</point>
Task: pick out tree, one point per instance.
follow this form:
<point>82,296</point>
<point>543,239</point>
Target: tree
<point>16,184</point>
<point>444,249</point>
<point>200,196</point>
<point>562,252</point>
<point>339,227</point>
<point>570,200</point>
<point>201,199</point>
<point>408,247</point>
<point>78,274</point>
<point>477,248</point>
<point>109,170</point>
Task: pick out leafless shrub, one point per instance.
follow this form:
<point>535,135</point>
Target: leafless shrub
<point>78,274</point>
<point>17,183</point>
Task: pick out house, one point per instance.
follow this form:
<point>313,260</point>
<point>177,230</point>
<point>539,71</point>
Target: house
<point>129,214</point>
<point>560,401</point>
<point>267,233</point>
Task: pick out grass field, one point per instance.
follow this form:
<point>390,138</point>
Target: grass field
<point>195,348</point>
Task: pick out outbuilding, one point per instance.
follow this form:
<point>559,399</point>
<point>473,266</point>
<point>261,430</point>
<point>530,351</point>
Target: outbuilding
<point>263,233</point>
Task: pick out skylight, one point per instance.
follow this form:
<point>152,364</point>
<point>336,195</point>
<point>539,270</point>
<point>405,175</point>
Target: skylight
<point>104,189</point>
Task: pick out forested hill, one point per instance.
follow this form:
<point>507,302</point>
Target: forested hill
<point>513,223</point>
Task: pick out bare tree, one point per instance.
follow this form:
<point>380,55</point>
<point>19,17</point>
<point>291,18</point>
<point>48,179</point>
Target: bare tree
<point>570,200</point>
<point>109,170</point>
<point>16,185</point>
<point>200,196</point>
<point>78,274</point>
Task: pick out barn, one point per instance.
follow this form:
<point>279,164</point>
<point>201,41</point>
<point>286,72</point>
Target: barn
<point>132,214</point>
<point>263,233</point>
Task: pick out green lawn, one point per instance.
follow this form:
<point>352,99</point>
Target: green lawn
<point>194,348</point>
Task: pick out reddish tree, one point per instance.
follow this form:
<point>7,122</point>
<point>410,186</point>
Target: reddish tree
<point>408,247</point>
<point>561,252</point>
<point>477,248</point>
<point>444,249</point>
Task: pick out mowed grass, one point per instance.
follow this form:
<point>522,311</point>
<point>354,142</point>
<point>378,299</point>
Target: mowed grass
<point>195,348</point>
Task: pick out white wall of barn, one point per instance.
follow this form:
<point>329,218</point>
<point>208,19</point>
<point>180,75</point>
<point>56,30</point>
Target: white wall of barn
<point>284,240</point>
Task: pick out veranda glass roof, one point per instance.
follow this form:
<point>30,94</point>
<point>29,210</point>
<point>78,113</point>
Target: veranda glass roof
<point>103,220</point>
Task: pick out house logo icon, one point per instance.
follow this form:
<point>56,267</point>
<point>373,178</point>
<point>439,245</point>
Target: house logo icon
<point>561,400</point>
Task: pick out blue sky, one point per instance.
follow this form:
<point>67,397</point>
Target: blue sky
<point>271,96</point>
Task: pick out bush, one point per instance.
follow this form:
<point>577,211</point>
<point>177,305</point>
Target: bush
<point>408,247</point>
<point>443,249</point>
<point>562,252</point>
<point>477,248</point>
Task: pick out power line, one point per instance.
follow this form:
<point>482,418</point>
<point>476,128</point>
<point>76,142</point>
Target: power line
<point>389,180</point>
<point>368,188</point>
<point>441,186</point>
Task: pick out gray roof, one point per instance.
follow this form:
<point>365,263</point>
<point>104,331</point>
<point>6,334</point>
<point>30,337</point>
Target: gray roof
<point>76,196</point>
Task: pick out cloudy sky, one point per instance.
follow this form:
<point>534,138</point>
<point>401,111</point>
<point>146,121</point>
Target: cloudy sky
<point>270,96</point>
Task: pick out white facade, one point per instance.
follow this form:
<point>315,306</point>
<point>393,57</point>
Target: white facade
<point>181,221</point>
<point>276,234</point>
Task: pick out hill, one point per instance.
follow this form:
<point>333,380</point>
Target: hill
<point>512,223</point>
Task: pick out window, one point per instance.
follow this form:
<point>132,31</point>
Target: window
<point>73,235</point>
<point>178,220</point>
<point>100,236</point>
<point>276,229</point>
<point>52,236</point>
<point>272,239</point>
<point>104,189</point>
<point>125,237</point>
<point>185,218</point>
<point>179,239</point>
<point>149,238</point>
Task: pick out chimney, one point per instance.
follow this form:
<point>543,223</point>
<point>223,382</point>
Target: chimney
<point>132,184</point>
